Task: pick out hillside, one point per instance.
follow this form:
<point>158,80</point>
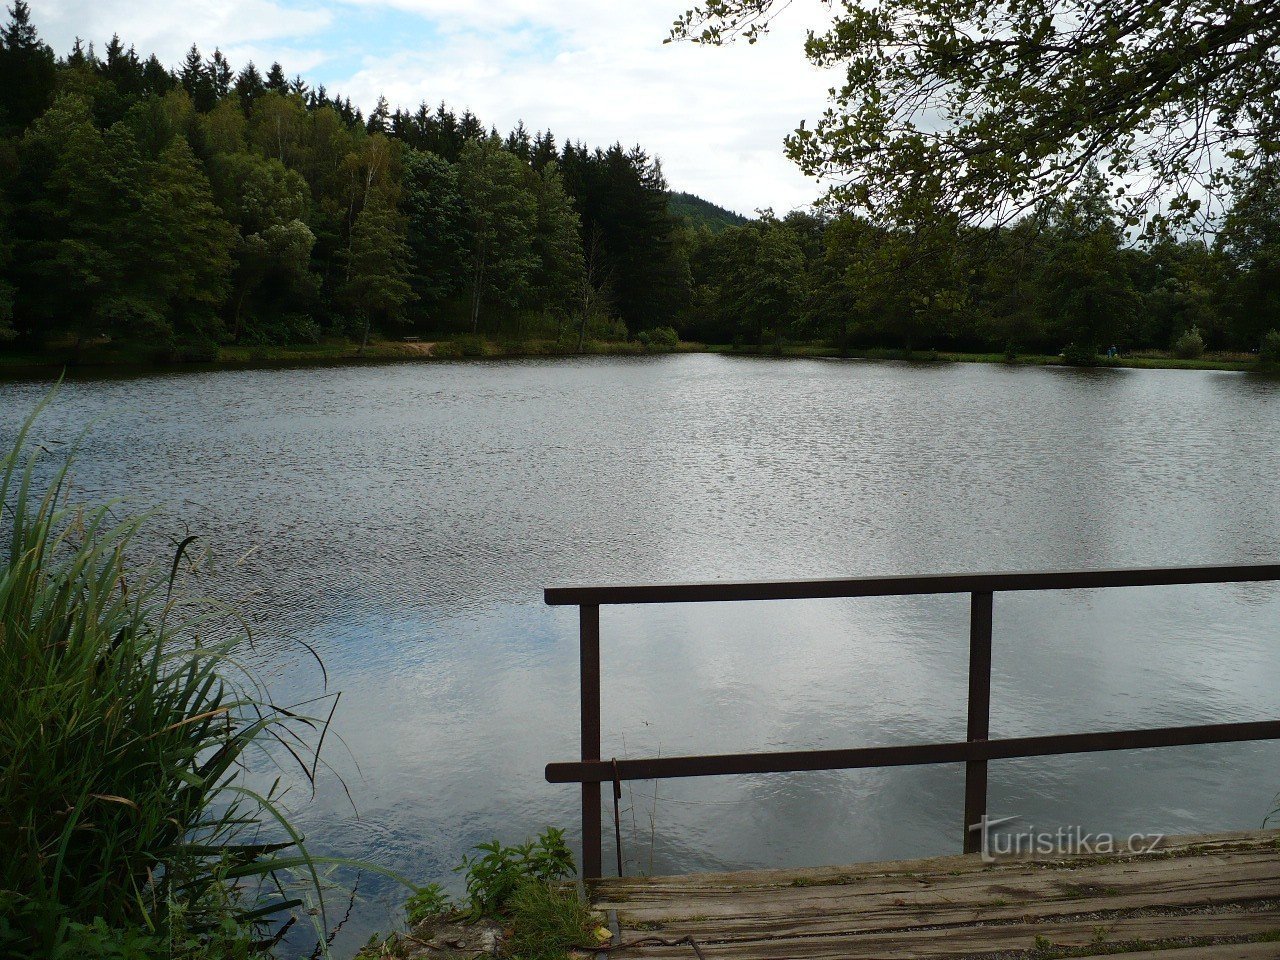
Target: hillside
<point>697,211</point>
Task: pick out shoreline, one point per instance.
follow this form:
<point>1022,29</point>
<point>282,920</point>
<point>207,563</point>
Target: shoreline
<point>108,363</point>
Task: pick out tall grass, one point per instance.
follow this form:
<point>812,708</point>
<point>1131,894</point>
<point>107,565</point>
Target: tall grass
<point>125,813</point>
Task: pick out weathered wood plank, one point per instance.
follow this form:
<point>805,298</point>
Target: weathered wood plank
<point>1198,889</point>
<point>1230,951</point>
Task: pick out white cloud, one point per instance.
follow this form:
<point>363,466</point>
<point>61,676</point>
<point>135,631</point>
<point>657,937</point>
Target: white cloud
<point>167,28</point>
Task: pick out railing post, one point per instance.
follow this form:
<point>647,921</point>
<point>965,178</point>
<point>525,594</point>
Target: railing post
<point>979,727</point>
<point>589,673</point>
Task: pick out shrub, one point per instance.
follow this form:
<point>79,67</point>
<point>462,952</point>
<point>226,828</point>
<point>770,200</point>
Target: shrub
<point>492,879</point>
<point>1190,345</point>
<point>1269,350</point>
<point>471,345</point>
<point>124,814</point>
<point>1076,356</point>
<point>659,338</point>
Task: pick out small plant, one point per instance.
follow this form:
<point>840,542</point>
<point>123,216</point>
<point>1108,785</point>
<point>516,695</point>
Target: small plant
<point>427,903</point>
<point>492,879</point>
<point>1189,346</point>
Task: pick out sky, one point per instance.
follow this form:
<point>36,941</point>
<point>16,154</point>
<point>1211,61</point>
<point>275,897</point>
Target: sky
<point>591,70</point>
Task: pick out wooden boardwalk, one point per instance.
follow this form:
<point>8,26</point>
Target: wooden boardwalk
<point>1195,898</point>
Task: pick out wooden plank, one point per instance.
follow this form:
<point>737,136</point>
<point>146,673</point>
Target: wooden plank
<point>1223,951</point>
<point>952,864</point>
<point>970,941</point>
<point>1215,887</point>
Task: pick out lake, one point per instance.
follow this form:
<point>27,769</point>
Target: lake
<point>402,520</point>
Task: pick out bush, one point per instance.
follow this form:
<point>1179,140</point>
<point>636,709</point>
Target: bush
<point>1075,356</point>
<point>1269,350</point>
<point>124,817</point>
<point>1189,346</point>
<point>659,338</point>
<point>471,345</point>
<point>492,879</point>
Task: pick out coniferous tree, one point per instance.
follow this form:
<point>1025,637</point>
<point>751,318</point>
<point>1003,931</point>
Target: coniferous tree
<point>195,80</point>
<point>433,208</point>
<point>276,80</point>
<point>379,117</point>
<point>27,70</point>
<point>220,75</point>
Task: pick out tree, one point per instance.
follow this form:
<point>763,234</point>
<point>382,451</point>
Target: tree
<point>433,208</point>
<point>79,262</point>
<point>8,166</point>
<point>377,287</point>
<point>998,105</point>
<point>196,80</point>
<point>27,70</point>
<point>1089,291</point>
<point>1250,244</point>
<point>761,279</point>
<point>188,244</point>
<point>276,81</point>
<point>249,86</point>
<point>268,204</point>
<point>622,194</point>
<point>500,218</point>
<point>220,75</point>
<point>557,243</point>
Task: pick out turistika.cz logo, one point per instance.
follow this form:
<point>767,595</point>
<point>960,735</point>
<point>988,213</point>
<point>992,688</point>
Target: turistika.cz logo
<point>1028,841</point>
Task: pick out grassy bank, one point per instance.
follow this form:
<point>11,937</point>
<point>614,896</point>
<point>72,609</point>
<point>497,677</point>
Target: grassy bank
<point>108,358</point>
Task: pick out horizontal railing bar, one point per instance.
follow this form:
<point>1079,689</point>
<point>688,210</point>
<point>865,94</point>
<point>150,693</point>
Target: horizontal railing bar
<point>727,764</point>
<point>909,585</point>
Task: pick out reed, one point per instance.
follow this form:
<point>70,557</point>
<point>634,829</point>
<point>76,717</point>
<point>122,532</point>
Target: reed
<point>126,816</point>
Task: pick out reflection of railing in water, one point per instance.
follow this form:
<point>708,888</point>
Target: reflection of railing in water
<point>973,752</point>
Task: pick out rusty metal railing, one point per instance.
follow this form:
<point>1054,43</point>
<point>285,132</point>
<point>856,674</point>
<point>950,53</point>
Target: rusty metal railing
<point>974,751</point>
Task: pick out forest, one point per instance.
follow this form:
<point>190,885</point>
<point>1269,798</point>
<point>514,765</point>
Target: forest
<point>181,209</point>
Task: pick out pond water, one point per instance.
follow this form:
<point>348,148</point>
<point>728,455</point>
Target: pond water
<point>402,520</point>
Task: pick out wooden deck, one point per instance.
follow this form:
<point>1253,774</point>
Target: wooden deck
<point>1196,898</point>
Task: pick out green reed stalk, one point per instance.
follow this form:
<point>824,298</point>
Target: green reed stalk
<point>123,739</point>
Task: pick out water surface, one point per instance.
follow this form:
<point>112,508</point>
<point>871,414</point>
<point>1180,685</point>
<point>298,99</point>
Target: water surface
<point>403,519</point>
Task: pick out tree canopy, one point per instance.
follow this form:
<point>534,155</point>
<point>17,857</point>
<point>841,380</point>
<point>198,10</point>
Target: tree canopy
<point>988,108</point>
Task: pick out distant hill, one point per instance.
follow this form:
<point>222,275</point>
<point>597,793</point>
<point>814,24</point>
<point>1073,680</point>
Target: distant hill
<point>698,211</point>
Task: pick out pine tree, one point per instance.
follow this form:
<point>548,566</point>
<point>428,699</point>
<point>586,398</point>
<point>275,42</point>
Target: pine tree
<point>519,142</point>
<point>249,86</point>
<point>276,80</point>
<point>27,70</point>
<point>197,81</point>
<point>220,74</point>
<point>378,118</point>
<point>156,79</point>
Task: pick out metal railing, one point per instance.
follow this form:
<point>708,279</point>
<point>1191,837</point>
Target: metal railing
<point>974,751</point>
